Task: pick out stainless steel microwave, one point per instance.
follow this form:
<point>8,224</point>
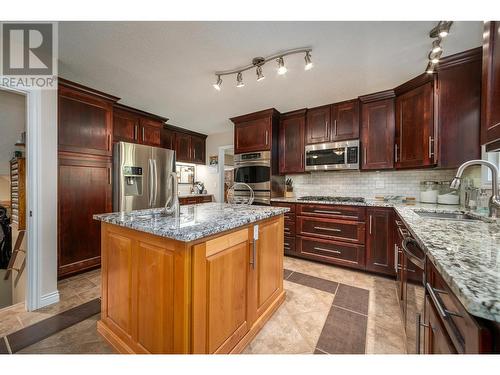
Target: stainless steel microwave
<point>332,156</point>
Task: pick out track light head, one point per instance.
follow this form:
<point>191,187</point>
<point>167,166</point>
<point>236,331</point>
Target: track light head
<point>308,61</point>
<point>281,66</point>
<point>217,85</point>
<point>441,30</point>
<point>260,75</point>
<point>435,56</point>
<point>239,80</point>
<point>436,46</point>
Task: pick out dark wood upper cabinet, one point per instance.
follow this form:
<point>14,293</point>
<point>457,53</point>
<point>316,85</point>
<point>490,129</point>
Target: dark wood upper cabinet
<point>150,133</point>
<point>168,138</point>
<point>490,98</point>
<point>415,131</point>
<point>459,108</point>
<point>183,147</point>
<point>380,240</point>
<point>189,146</point>
<point>85,121</point>
<point>255,131</point>
<point>291,142</point>
<point>125,126</point>
<point>318,124</point>
<point>198,149</point>
<point>377,130</point>
<point>345,120</point>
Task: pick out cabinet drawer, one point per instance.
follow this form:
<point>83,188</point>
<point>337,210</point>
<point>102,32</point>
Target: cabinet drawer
<point>289,227</point>
<point>467,333</point>
<point>206,199</point>
<point>341,230</point>
<point>329,211</point>
<point>331,251</point>
<point>289,245</point>
<point>291,206</point>
<point>290,217</point>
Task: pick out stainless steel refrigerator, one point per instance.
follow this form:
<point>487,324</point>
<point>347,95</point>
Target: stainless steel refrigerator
<point>141,176</point>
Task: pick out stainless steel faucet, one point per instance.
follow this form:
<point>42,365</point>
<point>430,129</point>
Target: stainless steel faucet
<point>172,205</point>
<point>494,204</point>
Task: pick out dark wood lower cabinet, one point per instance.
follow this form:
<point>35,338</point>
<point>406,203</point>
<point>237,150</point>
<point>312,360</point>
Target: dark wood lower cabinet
<point>380,240</point>
<point>436,339</point>
<point>84,190</point>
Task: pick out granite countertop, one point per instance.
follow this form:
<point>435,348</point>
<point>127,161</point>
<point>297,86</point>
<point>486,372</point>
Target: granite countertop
<point>466,253</point>
<point>194,222</point>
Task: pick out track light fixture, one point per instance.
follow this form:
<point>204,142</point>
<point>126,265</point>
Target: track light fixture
<point>258,62</point>
<point>260,75</point>
<point>441,30</point>
<point>217,85</point>
<point>308,61</point>
<point>239,80</point>
<point>281,66</point>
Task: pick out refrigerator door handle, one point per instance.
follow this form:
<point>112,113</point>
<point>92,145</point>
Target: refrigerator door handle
<point>151,179</point>
<point>155,192</point>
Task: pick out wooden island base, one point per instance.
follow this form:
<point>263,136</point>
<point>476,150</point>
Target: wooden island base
<point>207,296</point>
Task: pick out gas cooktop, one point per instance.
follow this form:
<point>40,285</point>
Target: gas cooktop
<point>326,198</point>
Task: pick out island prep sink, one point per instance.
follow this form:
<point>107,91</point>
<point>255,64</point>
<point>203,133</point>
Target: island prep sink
<point>459,216</point>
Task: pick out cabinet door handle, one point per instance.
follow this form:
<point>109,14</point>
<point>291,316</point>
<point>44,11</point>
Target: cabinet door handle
<point>396,152</point>
<point>143,133</point>
<point>431,153</point>
<point>364,155</point>
<point>371,224</point>
<point>335,126</point>
<point>395,258</point>
<point>109,142</point>
<point>327,250</point>
<point>254,253</point>
<point>329,229</point>
<point>267,137</point>
<point>109,176</point>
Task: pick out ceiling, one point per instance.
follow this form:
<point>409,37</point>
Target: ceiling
<point>167,67</point>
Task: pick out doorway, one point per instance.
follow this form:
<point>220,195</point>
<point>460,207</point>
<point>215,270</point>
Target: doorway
<point>13,193</point>
<point>226,167</point>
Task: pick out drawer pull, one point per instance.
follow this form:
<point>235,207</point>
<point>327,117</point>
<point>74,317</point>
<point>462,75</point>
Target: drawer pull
<point>328,212</point>
<point>327,250</point>
<point>286,244</point>
<point>328,229</point>
<point>433,293</point>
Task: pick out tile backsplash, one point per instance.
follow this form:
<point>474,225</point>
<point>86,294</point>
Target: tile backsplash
<point>367,184</point>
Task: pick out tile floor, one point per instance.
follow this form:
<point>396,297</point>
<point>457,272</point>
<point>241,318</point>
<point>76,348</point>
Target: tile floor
<point>295,328</point>
<point>73,292</point>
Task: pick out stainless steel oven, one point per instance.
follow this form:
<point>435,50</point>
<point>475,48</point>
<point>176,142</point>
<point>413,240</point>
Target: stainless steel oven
<point>259,171</point>
<point>253,169</point>
<point>332,156</point>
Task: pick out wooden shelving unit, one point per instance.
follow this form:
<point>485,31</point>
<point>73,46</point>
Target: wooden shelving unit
<point>18,192</point>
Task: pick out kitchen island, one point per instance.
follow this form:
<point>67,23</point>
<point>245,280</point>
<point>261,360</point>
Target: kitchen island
<point>203,282</point>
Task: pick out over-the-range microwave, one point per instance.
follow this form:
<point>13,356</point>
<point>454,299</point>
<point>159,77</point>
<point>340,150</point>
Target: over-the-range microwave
<point>332,156</point>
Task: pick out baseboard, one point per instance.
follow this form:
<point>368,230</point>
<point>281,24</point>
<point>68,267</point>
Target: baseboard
<point>49,299</point>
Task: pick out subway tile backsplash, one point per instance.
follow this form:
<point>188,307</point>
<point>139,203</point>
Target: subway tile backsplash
<point>367,184</point>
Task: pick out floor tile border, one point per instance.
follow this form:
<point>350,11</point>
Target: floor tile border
<point>39,331</point>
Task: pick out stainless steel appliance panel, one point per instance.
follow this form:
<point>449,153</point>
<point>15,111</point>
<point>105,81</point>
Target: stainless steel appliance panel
<point>332,156</point>
<point>132,170</point>
<point>163,163</point>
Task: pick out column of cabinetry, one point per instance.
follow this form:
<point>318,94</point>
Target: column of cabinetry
<point>291,142</point>
<point>85,128</point>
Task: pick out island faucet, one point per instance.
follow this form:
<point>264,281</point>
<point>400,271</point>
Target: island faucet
<point>494,204</point>
<point>172,204</point>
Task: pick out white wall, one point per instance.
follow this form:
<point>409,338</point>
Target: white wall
<point>207,174</point>
<point>12,124</point>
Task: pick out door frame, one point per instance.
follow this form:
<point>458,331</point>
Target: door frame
<point>34,154</point>
<point>221,160</point>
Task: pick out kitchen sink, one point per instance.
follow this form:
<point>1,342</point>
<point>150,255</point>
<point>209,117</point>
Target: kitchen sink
<point>459,216</point>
